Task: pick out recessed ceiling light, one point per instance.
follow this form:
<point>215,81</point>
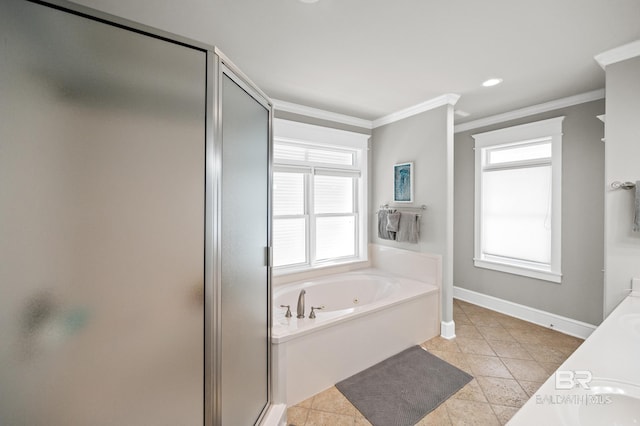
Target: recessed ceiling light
<point>309,1</point>
<point>492,82</point>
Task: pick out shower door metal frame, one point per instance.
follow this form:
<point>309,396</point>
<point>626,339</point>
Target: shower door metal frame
<point>217,65</point>
<point>222,67</point>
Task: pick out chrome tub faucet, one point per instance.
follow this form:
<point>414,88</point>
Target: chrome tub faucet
<point>300,310</point>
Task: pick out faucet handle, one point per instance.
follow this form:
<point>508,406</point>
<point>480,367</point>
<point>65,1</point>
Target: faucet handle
<point>288,314</point>
<point>312,315</point>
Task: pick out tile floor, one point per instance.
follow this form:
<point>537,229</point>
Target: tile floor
<point>509,359</point>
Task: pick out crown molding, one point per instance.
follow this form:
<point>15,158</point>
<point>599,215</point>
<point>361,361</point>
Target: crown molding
<point>446,99</point>
<point>321,114</point>
<point>531,110</point>
<point>618,54</point>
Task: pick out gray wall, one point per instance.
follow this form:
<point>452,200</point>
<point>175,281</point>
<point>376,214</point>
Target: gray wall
<point>580,294</point>
<point>421,140</point>
<point>424,139</point>
<point>622,246</point>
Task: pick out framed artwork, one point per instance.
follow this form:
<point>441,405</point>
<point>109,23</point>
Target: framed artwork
<point>403,183</point>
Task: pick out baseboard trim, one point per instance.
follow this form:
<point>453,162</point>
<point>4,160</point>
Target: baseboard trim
<point>448,330</point>
<point>276,415</point>
<point>546,319</point>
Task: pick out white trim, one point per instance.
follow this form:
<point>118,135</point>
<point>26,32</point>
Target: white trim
<point>448,330</point>
<point>618,54</point>
<point>276,415</point>
<point>601,117</point>
<point>531,110</point>
<point>546,319</point>
<point>512,269</point>
<point>446,99</point>
<point>550,128</point>
<point>321,114</point>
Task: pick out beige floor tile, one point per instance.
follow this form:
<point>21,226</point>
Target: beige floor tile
<point>509,349</point>
<point>524,369</point>
<point>460,318</point>
<point>474,346</point>
<point>491,366</point>
<point>550,367</point>
<point>323,418</point>
<point>503,413</point>
<point>457,359</point>
<point>495,333</point>
<point>470,413</point>
<point>438,417</point>
<point>466,305</point>
<point>484,319</point>
<point>333,401</point>
<point>471,392</point>
<point>569,346</point>
<point>503,391</point>
<point>545,353</point>
<point>361,420</point>
<point>441,344</point>
<point>530,387</point>
<point>468,331</point>
<point>306,403</point>
<point>297,416</point>
<point>514,323</point>
<point>562,342</point>
<point>475,311</point>
<point>525,336</point>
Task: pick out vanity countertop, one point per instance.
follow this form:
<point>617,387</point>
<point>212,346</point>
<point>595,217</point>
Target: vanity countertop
<point>599,383</point>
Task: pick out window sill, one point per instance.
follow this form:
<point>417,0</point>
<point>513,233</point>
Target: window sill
<point>519,270</point>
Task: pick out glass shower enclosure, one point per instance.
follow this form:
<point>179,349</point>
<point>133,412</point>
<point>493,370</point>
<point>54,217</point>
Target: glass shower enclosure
<point>134,225</point>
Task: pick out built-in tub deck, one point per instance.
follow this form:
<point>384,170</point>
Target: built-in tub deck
<point>341,297</point>
<point>367,316</point>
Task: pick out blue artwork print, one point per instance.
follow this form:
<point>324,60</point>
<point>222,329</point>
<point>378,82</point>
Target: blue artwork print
<point>402,183</point>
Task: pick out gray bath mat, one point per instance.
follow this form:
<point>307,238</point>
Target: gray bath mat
<point>403,389</point>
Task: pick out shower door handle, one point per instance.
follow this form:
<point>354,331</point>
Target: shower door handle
<point>269,256</point>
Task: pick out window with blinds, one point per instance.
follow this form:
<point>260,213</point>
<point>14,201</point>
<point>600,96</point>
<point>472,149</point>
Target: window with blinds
<point>518,184</point>
<point>318,199</point>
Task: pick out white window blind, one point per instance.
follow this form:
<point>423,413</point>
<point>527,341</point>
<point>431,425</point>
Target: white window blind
<point>333,194</point>
<point>303,153</point>
<point>288,189</point>
<point>290,245</point>
<point>516,212</point>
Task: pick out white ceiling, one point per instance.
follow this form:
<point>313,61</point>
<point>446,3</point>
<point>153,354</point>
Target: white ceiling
<point>370,58</point>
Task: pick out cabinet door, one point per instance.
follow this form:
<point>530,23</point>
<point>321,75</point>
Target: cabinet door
<point>102,141</point>
<point>244,276</point>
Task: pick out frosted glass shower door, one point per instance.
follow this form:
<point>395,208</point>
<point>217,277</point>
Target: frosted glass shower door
<point>244,272</point>
<point>102,171</point>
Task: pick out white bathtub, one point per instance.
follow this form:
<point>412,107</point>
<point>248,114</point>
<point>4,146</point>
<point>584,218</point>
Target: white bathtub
<point>367,316</point>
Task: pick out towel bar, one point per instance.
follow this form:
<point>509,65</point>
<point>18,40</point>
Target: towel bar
<point>388,206</point>
<point>622,185</point>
